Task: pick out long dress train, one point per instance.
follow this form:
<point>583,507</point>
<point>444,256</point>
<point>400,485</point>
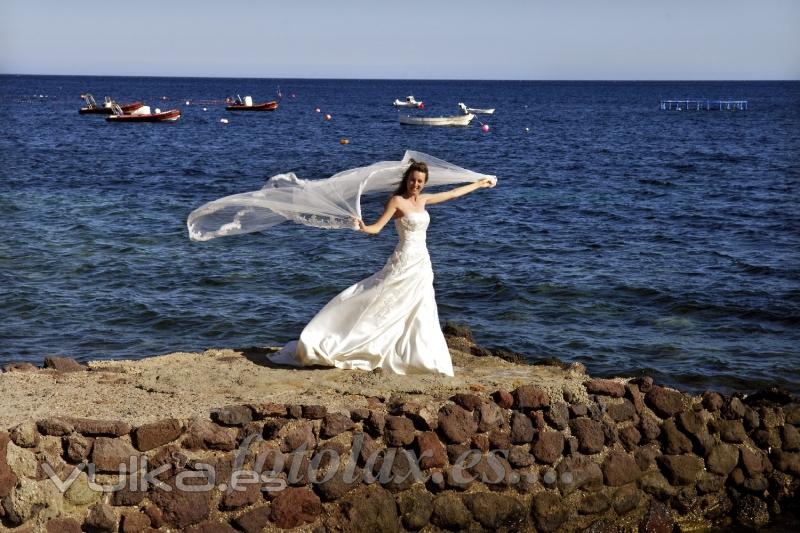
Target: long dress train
<point>388,320</point>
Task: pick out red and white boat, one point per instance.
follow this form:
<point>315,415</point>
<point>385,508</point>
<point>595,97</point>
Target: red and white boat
<point>107,108</point>
<point>247,105</point>
<point>143,114</point>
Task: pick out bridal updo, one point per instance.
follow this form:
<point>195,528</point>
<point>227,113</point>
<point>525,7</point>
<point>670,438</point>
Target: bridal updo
<point>415,166</point>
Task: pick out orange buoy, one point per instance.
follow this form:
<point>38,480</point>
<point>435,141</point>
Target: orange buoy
<point>344,141</point>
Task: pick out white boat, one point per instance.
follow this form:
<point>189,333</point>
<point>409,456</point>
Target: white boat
<point>458,120</point>
<point>475,111</point>
<point>408,102</point>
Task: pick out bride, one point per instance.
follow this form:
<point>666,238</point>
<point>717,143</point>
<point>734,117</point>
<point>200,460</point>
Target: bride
<point>388,320</point>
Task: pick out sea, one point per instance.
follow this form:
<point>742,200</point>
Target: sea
<point>634,240</point>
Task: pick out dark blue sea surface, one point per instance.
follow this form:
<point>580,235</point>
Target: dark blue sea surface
<point>631,239</point>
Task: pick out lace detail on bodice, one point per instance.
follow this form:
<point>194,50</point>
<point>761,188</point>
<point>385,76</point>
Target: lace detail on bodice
<point>412,228</point>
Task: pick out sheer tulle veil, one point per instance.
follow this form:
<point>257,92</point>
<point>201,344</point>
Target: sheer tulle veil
<point>329,203</point>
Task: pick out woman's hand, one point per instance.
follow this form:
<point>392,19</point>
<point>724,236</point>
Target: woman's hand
<point>360,223</point>
<point>487,182</point>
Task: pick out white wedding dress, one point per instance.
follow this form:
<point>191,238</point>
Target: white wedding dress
<point>388,320</point>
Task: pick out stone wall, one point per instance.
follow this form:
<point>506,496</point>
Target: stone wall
<point>636,456</point>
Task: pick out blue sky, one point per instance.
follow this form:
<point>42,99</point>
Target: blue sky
<point>503,39</point>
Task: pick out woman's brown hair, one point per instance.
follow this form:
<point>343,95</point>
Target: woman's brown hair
<point>416,166</point>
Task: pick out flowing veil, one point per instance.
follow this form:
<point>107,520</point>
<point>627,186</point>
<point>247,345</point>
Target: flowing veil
<point>328,203</point>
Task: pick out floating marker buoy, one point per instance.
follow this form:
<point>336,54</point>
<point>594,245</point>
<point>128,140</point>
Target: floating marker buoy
<point>163,97</point>
<point>527,129</point>
<point>205,109</point>
<point>328,116</point>
<point>187,102</point>
<point>485,128</point>
<point>317,110</point>
<point>224,120</point>
<point>421,105</point>
<point>344,141</point>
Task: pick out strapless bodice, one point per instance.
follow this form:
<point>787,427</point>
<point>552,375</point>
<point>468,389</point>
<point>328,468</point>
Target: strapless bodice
<point>413,226</point>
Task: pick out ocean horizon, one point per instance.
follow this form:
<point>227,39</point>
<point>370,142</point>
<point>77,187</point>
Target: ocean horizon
<point>627,238</point>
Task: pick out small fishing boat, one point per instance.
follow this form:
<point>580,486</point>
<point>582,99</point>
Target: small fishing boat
<point>408,102</point>
<point>107,108</point>
<point>143,114</point>
<point>458,120</point>
<point>474,110</point>
<point>247,105</point>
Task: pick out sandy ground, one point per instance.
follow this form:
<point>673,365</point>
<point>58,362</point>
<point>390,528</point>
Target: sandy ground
<point>183,385</point>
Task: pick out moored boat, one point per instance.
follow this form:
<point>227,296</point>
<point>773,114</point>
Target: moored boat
<point>143,114</point>
<point>92,106</point>
<point>410,101</point>
<point>248,105</point>
<point>474,110</point>
<point>458,120</point>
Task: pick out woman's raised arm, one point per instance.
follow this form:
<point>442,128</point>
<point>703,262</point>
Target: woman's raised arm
<point>444,196</point>
<point>374,229</point>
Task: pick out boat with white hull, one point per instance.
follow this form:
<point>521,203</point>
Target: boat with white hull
<point>458,120</point>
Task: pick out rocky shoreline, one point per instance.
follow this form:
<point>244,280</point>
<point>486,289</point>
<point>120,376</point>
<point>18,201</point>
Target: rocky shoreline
<point>223,441</point>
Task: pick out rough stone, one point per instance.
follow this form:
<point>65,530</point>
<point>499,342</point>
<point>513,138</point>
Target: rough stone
<point>180,508</point>
<point>314,412</point>
<point>578,410</point>
<point>589,433</point>
<point>233,415</point>
<point>675,442</point>
<point>108,454</point>
<point>558,416</point>
<point>594,503</point>
<point>521,428</point>
<point>658,519</point>
<point>710,483</point>
<point>297,437</point>
<point>752,512</point>
<point>767,438</point>
<point>340,483</point>
<point>713,401</point>
<point>655,484</point>
<point>267,410</point>
<point>369,509</point>
<point>753,461</point>
<point>723,459</point>
<point>468,401</point>
<point>64,364</point>
<point>375,423</point>
<point>77,447</point>
<point>732,431</point>
<point>102,518</point>
<point>55,426</point>
<point>626,499</point>
<point>682,469</point>
<point>206,434</point>
<point>456,423</point>
<point>505,400</point>
<point>548,446</point>
<point>788,462</point>
<point>549,511</point>
<point>335,423</point>
<point>25,435</point>
<point>605,387</point>
<point>733,409</point>
<point>621,412</point>
<point>791,438</point>
<point>490,418</point>
<point>22,366</point>
<point>416,508</point>
<point>530,397</point>
<point>520,457</point>
<point>449,512</point>
<point>578,472</point>
<point>150,436</point>
<point>665,402</point>
<point>63,525</point>
<point>254,520</point>
<point>32,499</point>
<point>495,511</point>
<point>80,493</point>
<point>649,427</point>
<point>629,436</point>
<point>7,477</point>
<point>236,499</point>
<point>294,507</point>
<point>620,469</point>
<point>105,428</point>
<point>430,450</point>
<point>399,431</point>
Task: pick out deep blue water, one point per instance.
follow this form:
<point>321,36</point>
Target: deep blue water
<point>631,239</point>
